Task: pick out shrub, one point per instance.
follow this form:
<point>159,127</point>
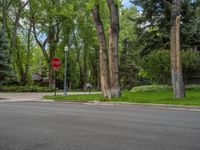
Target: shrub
<point>151,88</point>
<point>159,88</point>
<point>156,65</point>
<point>14,88</point>
<point>193,87</point>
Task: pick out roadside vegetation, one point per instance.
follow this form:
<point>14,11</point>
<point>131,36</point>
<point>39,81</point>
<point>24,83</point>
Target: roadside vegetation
<point>153,94</point>
<point>27,88</point>
<point>110,46</point>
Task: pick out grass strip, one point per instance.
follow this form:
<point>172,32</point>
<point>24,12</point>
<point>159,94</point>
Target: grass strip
<point>163,97</point>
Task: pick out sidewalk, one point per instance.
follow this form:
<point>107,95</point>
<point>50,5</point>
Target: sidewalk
<point>33,96</point>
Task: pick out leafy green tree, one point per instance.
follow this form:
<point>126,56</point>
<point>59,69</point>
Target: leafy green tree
<point>156,65</point>
<point>154,23</point>
<point>128,51</point>
<point>109,70</point>
<point>5,70</point>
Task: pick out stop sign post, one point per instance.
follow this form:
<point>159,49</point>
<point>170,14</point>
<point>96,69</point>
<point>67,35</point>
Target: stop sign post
<point>55,64</point>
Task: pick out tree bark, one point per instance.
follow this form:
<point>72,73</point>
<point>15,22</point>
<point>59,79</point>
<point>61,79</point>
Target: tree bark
<point>176,68</point>
<point>113,49</point>
<point>17,24</point>
<point>103,58</point>
<point>52,49</point>
<point>45,54</point>
<point>28,54</point>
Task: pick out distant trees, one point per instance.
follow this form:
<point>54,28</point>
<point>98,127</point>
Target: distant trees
<point>159,28</point>
<point>156,66</point>
<point>128,50</point>
<point>5,70</point>
<point>154,24</point>
<point>34,31</point>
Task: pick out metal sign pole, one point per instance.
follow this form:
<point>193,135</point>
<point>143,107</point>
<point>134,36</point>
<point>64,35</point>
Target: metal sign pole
<point>65,71</point>
<point>65,74</point>
<point>55,83</point>
<point>55,64</point>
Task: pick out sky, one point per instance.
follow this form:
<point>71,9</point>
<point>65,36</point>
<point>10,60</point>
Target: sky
<point>126,3</point>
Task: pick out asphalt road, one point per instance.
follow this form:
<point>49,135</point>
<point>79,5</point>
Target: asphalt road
<point>56,126</point>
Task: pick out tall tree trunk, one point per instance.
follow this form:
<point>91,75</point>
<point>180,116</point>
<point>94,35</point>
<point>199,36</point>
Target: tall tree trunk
<point>85,66</point>
<point>103,58</point>
<point>13,46</point>
<point>44,51</point>
<point>28,54</point>
<point>176,68</point>
<point>52,48</point>
<point>13,43</point>
<point>97,71</point>
<point>113,49</point>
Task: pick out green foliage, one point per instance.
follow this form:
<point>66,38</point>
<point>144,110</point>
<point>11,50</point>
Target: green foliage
<point>154,24</point>
<point>140,33</point>
<point>156,65</point>
<point>151,88</point>
<point>5,70</point>
<point>162,97</point>
<point>33,88</point>
<point>190,61</point>
<point>161,88</point>
<point>193,87</point>
<point>128,52</point>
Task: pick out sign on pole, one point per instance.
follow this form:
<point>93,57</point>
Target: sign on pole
<point>55,63</point>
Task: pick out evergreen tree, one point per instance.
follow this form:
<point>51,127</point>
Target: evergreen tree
<point>154,24</point>
<point>5,70</point>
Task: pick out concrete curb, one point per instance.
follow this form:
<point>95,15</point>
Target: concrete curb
<point>137,105</point>
<point>114,104</point>
<point>160,106</point>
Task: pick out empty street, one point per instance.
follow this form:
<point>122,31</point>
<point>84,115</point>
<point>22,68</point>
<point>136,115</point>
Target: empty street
<point>56,126</point>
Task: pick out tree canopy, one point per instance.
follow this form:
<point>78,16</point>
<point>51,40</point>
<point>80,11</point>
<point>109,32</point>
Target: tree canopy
<point>35,31</point>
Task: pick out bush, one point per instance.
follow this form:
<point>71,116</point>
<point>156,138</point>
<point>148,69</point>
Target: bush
<point>151,88</point>
<point>159,88</point>
<point>156,66</point>
<point>11,88</point>
<point>193,87</point>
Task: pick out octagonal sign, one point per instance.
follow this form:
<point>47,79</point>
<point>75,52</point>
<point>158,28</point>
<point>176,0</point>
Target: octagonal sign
<point>55,63</point>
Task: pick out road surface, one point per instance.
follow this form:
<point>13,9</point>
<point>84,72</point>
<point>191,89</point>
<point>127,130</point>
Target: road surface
<point>56,126</point>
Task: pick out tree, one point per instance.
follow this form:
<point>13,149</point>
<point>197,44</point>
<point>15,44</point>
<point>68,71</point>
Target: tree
<point>108,57</point>
<point>48,24</point>
<point>153,24</point>
<point>5,70</point>
<point>103,53</point>
<point>128,51</point>
<point>176,67</point>
<point>113,48</point>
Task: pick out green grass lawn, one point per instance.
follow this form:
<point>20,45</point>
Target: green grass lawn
<point>161,97</point>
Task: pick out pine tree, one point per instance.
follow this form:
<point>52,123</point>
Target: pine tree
<point>5,70</point>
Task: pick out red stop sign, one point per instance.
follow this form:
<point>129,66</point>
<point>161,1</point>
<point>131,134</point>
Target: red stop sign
<point>55,63</point>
